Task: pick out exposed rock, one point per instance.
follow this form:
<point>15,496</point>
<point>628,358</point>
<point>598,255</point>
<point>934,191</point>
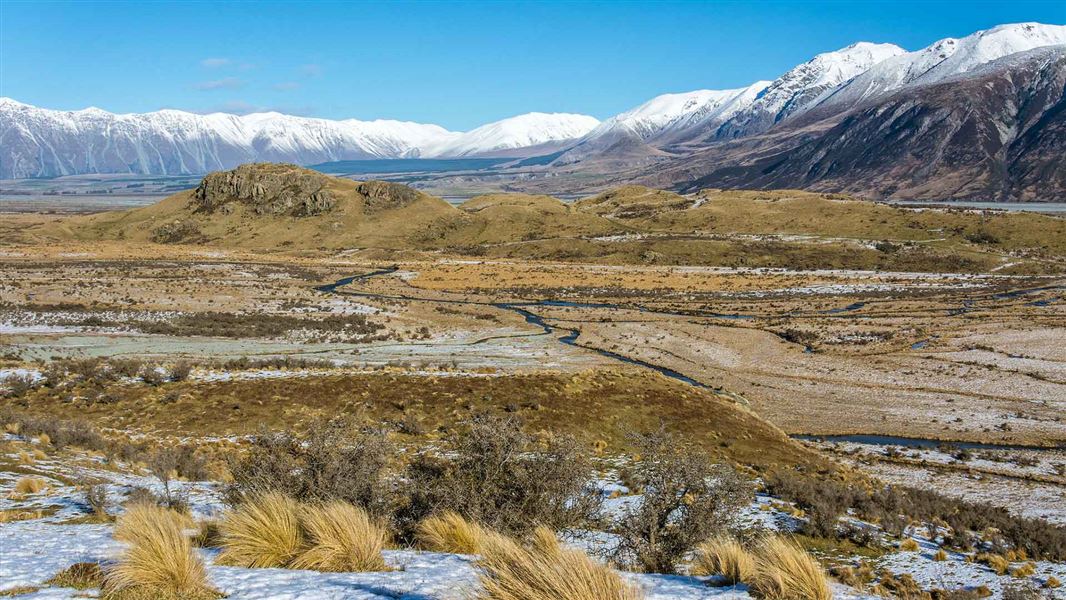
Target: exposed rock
<point>382,195</point>
<point>270,189</point>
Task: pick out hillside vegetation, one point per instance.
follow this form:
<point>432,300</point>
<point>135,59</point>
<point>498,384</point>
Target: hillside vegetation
<point>286,208</point>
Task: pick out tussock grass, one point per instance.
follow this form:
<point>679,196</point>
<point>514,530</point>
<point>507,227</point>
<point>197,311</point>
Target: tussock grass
<point>909,545</point>
<point>160,561</point>
<point>546,571</point>
<point>784,571</point>
<point>723,555</point>
<point>29,485</point>
<point>449,532</point>
<point>341,537</point>
<point>80,576</point>
<point>264,531</point>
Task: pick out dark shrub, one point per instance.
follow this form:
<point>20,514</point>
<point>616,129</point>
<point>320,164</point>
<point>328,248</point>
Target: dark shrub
<point>333,460</point>
<point>686,499</point>
<point>497,475</point>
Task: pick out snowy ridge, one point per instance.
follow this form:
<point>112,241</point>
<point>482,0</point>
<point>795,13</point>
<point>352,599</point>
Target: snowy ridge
<point>36,142</point>
<point>531,129</point>
<point>946,58</point>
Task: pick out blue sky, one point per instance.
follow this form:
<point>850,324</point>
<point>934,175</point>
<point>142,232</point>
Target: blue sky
<point>455,64</point>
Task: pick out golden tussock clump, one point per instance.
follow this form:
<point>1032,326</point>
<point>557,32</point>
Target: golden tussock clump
<point>546,571</point>
<point>262,532</point>
<point>784,571</point>
<point>449,532</point>
<point>909,545</point>
<point>273,530</point>
<point>725,556</point>
<point>80,576</point>
<point>341,538</point>
<point>29,485</point>
<point>160,561</point>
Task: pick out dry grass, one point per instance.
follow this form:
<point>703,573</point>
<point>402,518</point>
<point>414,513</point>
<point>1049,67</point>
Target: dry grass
<point>725,556</point>
<point>29,485</point>
<point>784,571</point>
<point>80,576</point>
<point>909,545</point>
<point>160,561</point>
<point>341,538</point>
<point>449,532</point>
<point>262,532</point>
<point>940,555</point>
<point>546,571</point>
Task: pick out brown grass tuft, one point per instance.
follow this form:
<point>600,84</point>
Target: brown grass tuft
<point>909,545</point>
<point>725,556</point>
<point>784,571</point>
<point>341,537</point>
<point>29,485</point>
<point>262,532</point>
<point>160,561</point>
<point>546,571</point>
<point>80,576</point>
<point>449,532</point>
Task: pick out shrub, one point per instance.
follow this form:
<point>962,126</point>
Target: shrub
<point>546,571</point>
<point>341,538</point>
<point>159,562</point>
<point>263,531</point>
<point>1021,591</point>
<point>686,500</point>
<point>19,384</point>
<point>333,460</point>
<point>497,475</point>
<point>724,555</point>
<point>180,371</point>
<point>60,433</point>
<point>783,571</point>
<point>449,532</point>
<point>96,500</point>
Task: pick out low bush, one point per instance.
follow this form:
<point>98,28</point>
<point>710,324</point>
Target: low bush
<point>546,571</point>
<point>503,478</point>
<point>686,500</point>
<point>333,460</point>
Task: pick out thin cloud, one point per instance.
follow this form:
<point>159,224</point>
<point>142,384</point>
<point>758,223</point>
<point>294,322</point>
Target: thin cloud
<point>286,86</point>
<point>227,83</point>
<point>311,70</point>
<point>214,63</point>
<point>240,107</point>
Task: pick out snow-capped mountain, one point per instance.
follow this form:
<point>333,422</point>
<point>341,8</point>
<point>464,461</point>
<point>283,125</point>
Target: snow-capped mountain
<point>804,86</point>
<point>36,142</point>
<point>946,58</point>
<point>524,131</point>
<point>668,112</point>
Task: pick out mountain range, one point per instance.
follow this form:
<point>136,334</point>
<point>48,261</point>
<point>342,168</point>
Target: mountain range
<point>977,117</point>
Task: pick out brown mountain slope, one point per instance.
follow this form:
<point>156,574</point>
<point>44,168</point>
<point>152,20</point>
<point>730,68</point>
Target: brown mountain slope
<point>993,135</point>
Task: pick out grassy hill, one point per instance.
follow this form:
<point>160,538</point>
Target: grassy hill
<point>282,207</point>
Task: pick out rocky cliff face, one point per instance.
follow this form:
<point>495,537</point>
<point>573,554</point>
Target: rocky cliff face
<point>269,189</point>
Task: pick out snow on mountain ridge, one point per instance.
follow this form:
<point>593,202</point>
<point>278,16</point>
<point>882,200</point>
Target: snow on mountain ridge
<point>530,129</point>
<point>945,58</point>
<point>37,142</point>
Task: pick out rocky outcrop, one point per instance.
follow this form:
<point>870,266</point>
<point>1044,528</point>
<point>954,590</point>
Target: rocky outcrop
<point>382,195</point>
<point>269,189</point>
